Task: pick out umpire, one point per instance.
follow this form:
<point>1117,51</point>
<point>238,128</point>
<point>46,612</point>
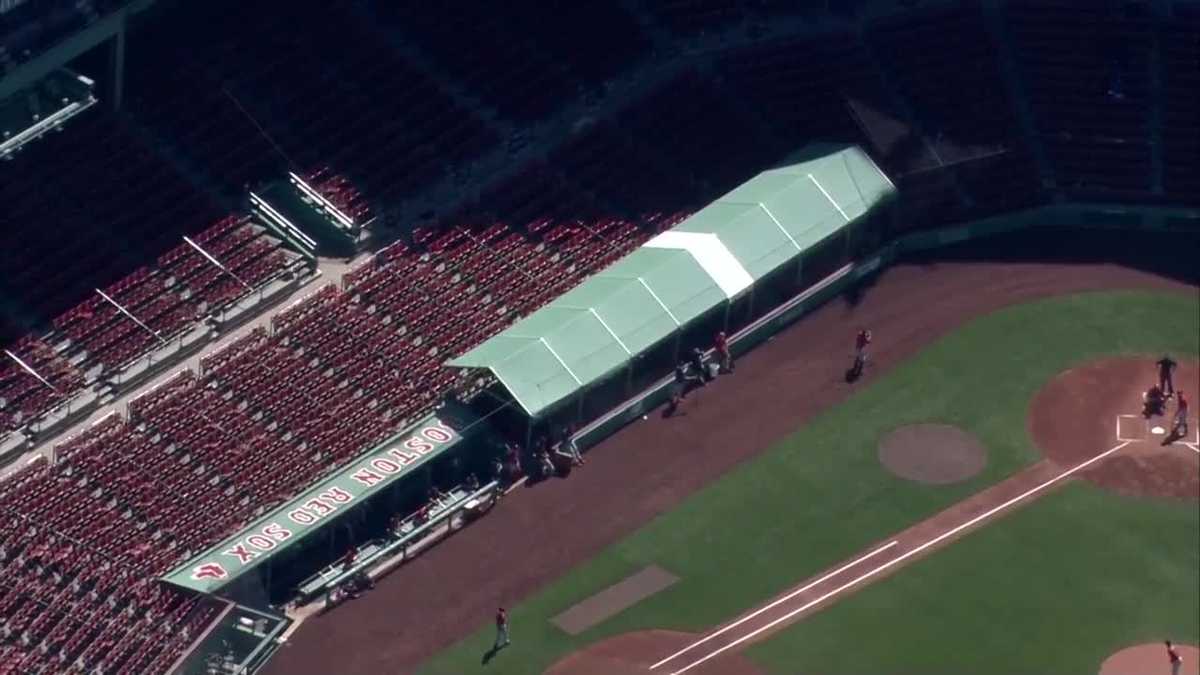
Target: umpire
<point>1166,370</point>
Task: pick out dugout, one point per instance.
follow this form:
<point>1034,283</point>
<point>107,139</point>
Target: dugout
<point>622,330</point>
<point>265,563</point>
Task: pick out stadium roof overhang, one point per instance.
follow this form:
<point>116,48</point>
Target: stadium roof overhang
<point>713,256</point>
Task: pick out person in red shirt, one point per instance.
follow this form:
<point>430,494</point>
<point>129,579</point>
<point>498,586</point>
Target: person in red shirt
<point>861,342</point>
<point>502,640</point>
<point>1181,415</point>
<point>721,347</point>
<point>1174,657</point>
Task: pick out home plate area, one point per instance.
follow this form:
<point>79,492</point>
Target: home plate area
<point>1138,429</point>
<point>1152,462</point>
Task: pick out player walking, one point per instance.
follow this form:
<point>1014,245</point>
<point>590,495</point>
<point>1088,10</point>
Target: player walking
<point>1166,371</point>
<point>502,640</point>
<point>861,342</point>
<point>1175,658</point>
<point>1180,427</point>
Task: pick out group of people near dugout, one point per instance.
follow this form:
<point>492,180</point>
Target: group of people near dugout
<point>550,455</point>
<point>694,371</point>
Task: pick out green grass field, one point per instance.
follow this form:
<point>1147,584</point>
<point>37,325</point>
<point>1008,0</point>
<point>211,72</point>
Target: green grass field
<point>732,549</point>
<point>1053,588</point>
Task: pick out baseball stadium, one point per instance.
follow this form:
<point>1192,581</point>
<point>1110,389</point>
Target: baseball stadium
<point>600,337</point>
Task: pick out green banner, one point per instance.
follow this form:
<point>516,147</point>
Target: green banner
<point>309,512</point>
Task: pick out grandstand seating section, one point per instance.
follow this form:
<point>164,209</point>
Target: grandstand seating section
<point>830,88</point>
<point>722,147</point>
<point>63,243</point>
<point>527,60</point>
<point>75,593</point>
<point>689,17</point>
<point>805,85</point>
<point>1181,106</point>
<point>399,94</point>
<point>937,65</point>
<point>23,396</point>
<point>1087,71</point>
<point>171,297</point>
<point>340,191</point>
<point>378,119</point>
<point>187,107</point>
<point>623,175</point>
<point>114,204</point>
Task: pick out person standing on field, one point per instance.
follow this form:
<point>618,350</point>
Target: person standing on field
<point>502,640</point>
<point>1175,658</point>
<point>1180,427</point>
<point>861,342</point>
<point>724,356</point>
<point>1166,371</point>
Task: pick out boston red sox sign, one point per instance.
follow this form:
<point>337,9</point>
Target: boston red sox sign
<point>306,513</point>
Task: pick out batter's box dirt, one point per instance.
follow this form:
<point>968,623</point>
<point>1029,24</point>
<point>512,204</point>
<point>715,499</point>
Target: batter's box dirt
<point>1132,428</point>
<point>1135,428</point>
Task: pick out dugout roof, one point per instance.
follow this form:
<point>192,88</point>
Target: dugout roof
<point>675,277</point>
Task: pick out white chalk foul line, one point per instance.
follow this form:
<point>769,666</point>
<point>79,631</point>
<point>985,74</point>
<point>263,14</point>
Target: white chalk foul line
<point>896,561</point>
<point>776,603</point>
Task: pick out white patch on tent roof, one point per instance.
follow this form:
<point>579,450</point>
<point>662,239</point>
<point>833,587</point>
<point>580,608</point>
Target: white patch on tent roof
<point>712,256</point>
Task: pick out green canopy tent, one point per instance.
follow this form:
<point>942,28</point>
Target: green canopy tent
<point>679,279</point>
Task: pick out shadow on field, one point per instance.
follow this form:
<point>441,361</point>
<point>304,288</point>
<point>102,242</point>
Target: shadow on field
<point>490,654</point>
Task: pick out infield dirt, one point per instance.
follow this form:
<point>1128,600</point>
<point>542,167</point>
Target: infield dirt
<point>1079,411</point>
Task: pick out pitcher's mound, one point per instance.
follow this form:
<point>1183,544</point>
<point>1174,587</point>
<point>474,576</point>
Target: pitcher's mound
<point>937,454</point>
<point>1149,659</point>
<point>634,653</point>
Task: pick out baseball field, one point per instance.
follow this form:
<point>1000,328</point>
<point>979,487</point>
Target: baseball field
<point>987,499</point>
